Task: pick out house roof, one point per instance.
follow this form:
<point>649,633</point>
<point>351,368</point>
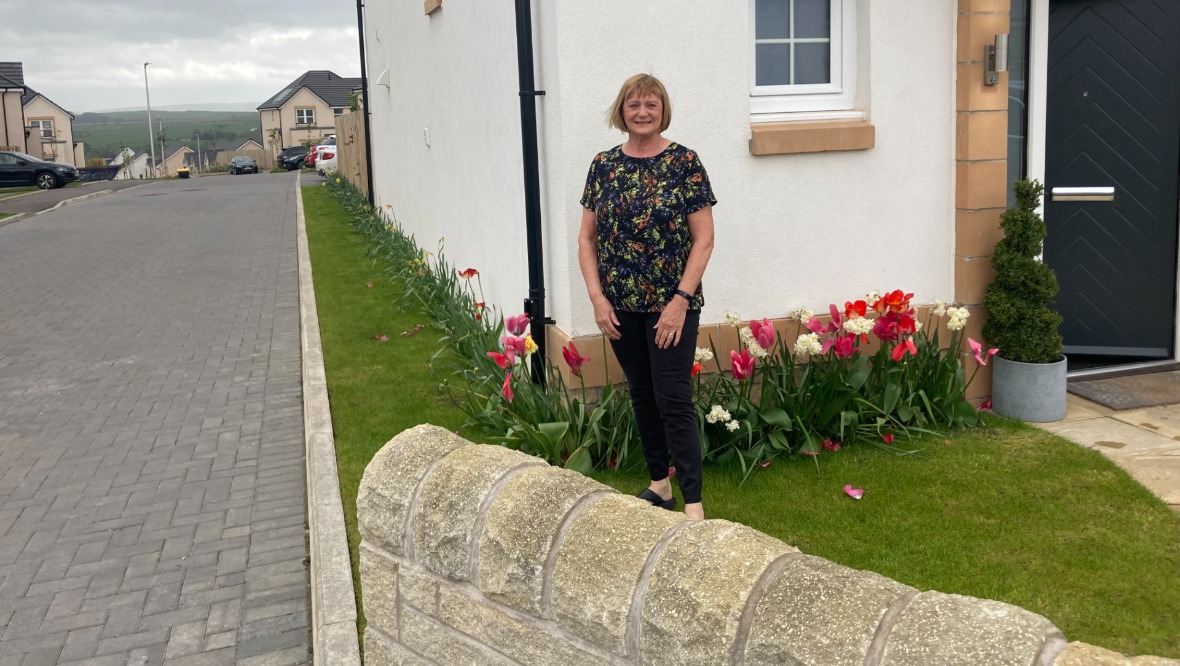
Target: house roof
<point>327,85</point>
<point>31,94</point>
<point>12,75</point>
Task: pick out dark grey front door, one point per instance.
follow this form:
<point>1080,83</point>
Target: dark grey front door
<point>1113,120</point>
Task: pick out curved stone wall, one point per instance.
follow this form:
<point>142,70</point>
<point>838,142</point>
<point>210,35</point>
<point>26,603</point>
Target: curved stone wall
<point>482,555</point>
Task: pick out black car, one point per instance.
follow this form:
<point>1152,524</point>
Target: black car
<point>243,164</point>
<point>292,158</point>
<point>21,169</point>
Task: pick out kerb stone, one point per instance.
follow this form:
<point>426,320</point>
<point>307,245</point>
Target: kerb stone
<point>936,629</point>
<point>519,530</point>
<point>698,591</point>
<point>449,505</point>
<point>391,478</point>
<point>816,613</point>
<point>599,565</point>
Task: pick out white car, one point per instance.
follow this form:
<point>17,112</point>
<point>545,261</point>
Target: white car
<point>326,155</point>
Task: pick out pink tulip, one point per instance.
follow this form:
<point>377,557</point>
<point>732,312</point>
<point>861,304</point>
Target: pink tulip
<point>984,406</point>
<point>888,439</point>
<point>763,332</point>
<point>517,325</point>
<point>506,389</point>
<point>814,326</point>
<point>573,359</point>
<point>513,345</point>
<point>743,364</point>
<point>844,346</point>
<point>977,352</point>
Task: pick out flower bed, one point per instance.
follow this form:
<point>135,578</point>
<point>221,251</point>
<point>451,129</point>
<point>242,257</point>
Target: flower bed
<point>876,371</point>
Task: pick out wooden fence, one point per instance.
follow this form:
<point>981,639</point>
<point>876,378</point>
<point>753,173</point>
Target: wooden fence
<point>265,159</point>
<point>350,149</point>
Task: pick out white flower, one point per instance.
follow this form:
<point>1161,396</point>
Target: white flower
<point>703,354</point>
<point>751,343</point>
<point>939,309</point>
<point>801,315</point>
<point>958,318</point>
<point>808,343</point>
<point>859,326</point>
<point>732,318</point>
<point>717,414</point>
<point>872,297</point>
<point>733,425</point>
<point>917,326</point>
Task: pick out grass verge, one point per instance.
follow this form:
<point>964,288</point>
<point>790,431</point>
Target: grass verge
<point>1007,512</point>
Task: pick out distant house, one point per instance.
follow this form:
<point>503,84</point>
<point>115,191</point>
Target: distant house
<point>306,109</point>
<point>46,129</point>
<point>134,166</point>
<point>249,144</point>
<point>182,156</point>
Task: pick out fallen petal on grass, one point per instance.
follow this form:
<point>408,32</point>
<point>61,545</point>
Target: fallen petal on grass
<point>381,338</point>
<point>854,493</point>
<point>406,334</point>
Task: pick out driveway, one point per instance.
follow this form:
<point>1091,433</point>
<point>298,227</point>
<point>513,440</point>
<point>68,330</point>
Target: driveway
<point>152,491</point>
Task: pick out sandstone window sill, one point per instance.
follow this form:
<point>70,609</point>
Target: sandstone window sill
<point>811,137</point>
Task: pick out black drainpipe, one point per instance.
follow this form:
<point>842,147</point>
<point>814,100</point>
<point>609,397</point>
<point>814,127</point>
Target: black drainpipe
<point>360,29</point>
<point>534,305</point>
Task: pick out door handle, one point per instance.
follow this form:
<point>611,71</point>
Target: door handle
<point>1082,194</point>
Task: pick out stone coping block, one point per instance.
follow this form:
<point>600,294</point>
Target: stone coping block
<point>483,555</point>
<point>391,479</point>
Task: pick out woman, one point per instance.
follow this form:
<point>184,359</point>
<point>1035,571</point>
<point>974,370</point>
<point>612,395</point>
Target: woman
<point>645,239</point>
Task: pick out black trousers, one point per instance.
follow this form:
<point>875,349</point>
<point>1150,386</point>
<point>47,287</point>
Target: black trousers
<point>660,383</point>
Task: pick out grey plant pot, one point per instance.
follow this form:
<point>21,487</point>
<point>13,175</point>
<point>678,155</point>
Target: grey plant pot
<point>1032,392</point>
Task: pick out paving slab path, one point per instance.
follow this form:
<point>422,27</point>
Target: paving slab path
<point>152,490</point>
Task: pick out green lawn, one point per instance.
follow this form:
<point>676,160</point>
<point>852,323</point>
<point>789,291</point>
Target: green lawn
<point>1007,512</point>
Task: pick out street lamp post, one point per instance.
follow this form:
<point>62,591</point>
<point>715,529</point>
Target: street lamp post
<point>199,159</point>
<point>151,139</point>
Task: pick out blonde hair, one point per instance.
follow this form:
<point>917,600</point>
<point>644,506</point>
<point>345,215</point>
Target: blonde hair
<point>642,85</point>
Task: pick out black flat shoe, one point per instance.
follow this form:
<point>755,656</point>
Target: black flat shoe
<point>656,500</point>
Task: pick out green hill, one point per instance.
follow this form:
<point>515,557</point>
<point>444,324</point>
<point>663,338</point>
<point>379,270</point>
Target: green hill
<point>106,133</point>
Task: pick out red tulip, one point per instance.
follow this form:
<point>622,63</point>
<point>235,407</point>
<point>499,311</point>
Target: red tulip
<point>696,369</point>
<point>844,346</point>
<point>855,307</point>
<point>888,439</point>
<point>506,389</point>
<point>468,274</point>
<point>573,359</point>
<point>502,360</point>
<point>904,347</point>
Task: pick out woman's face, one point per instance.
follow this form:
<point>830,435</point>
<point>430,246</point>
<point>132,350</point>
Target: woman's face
<point>643,114</point>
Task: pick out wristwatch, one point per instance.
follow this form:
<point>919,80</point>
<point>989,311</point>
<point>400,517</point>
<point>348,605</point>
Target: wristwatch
<point>687,296</point>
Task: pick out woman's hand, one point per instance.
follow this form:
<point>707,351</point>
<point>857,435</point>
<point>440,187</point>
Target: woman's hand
<point>671,323</point>
<point>604,316</point>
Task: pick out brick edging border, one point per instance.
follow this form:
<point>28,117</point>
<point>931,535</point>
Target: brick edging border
<point>333,600</point>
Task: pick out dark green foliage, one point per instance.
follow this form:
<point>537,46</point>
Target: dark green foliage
<point>1019,319</point>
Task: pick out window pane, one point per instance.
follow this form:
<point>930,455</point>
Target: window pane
<point>774,64</point>
<point>813,18</point>
<point>772,19</point>
<point>813,63</point>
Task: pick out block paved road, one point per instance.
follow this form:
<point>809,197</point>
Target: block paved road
<point>152,492</point>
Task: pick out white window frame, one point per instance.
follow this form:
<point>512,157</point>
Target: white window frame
<point>44,128</point>
<point>830,100</point>
<point>307,110</point>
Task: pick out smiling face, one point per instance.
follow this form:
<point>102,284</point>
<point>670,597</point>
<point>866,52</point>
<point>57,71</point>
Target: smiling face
<point>643,114</point>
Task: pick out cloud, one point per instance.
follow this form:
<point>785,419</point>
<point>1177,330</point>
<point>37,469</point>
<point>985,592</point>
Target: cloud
<point>88,54</point>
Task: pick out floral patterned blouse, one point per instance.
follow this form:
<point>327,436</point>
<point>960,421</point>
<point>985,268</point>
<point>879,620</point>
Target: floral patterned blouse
<point>641,205</point>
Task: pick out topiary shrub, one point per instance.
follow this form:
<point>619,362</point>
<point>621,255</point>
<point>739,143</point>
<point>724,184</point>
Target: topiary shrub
<point>1019,319</point>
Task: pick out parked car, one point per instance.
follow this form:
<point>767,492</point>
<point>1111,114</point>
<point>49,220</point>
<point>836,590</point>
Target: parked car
<point>326,159</point>
<point>309,161</point>
<point>243,164</point>
<point>21,169</point>
<point>292,158</point>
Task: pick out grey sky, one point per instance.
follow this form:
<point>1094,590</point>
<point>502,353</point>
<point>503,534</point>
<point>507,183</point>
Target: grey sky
<point>88,55</point>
